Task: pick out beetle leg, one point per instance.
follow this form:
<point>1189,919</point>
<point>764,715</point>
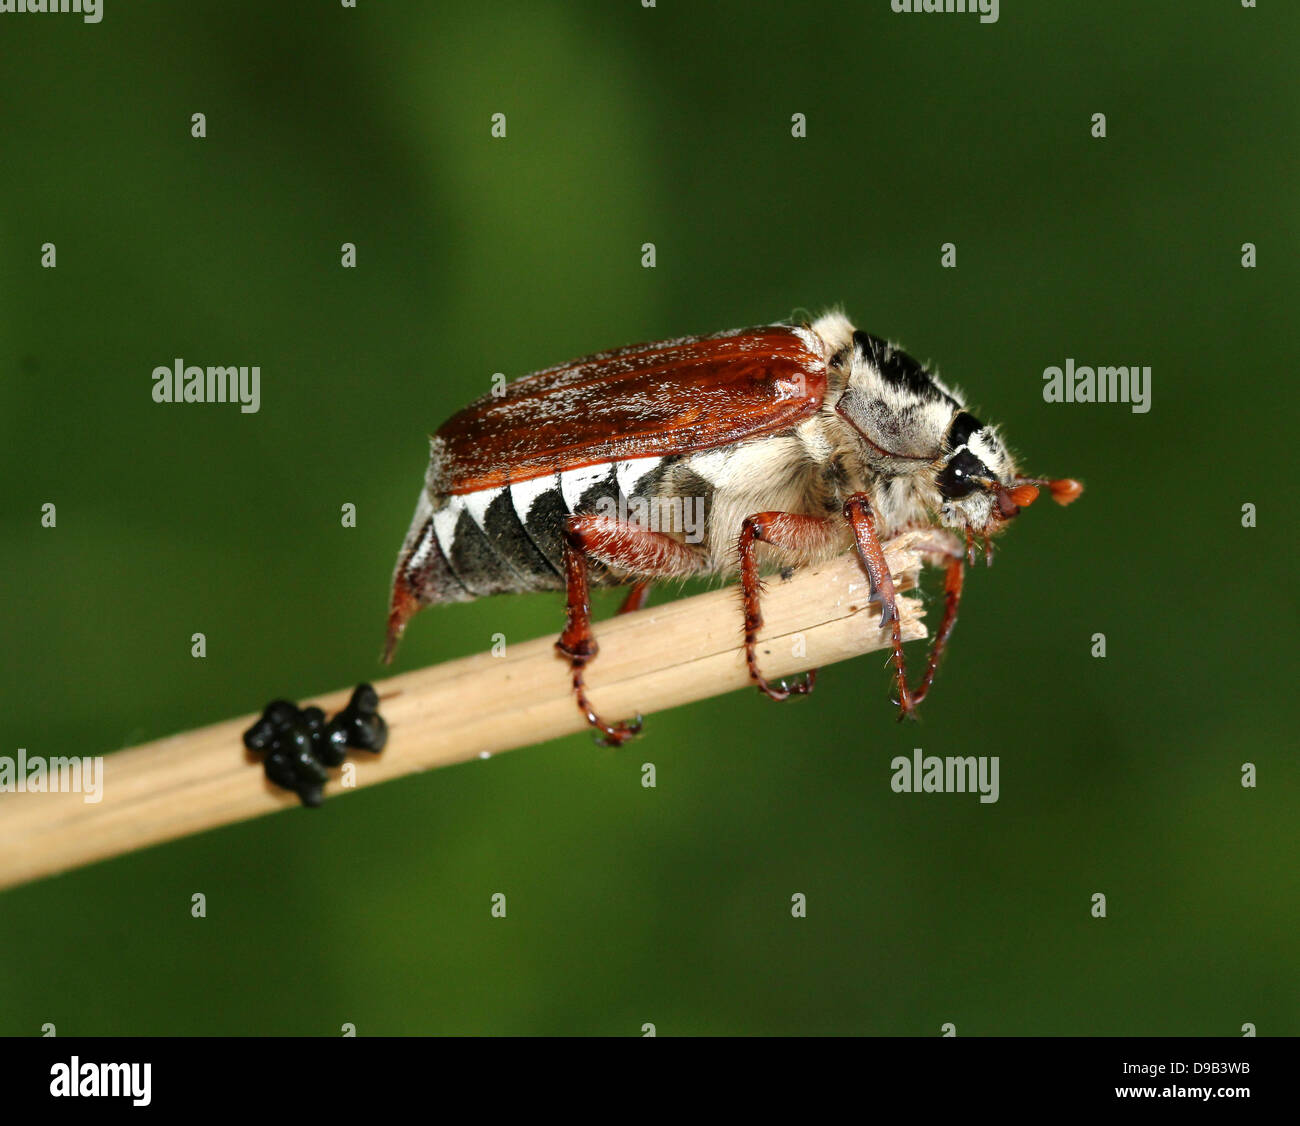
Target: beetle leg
<point>578,644</point>
<point>635,597</point>
<point>616,544</point>
<point>952,584</point>
<point>941,547</point>
<point>857,511</point>
<point>786,531</point>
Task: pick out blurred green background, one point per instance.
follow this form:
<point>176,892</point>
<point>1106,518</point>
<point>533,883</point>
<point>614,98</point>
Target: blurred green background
<point>670,125</point>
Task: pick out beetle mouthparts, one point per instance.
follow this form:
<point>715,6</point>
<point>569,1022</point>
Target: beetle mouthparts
<point>1011,499</point>
<point>1022,495</point>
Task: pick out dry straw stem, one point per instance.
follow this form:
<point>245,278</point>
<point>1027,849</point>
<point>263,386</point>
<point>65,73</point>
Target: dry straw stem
<point>656,658</point>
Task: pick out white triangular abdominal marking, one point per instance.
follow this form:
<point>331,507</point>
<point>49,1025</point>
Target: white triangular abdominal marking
<point>420,550</point>
<point>476,504</point>
<point>575,482</point>
<point>524,493</point>
<point>444,521</point>
<point>630,472</point>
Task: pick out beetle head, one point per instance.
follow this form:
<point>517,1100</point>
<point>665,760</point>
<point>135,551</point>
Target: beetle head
<point>975,478</point>
<point>979,488</point>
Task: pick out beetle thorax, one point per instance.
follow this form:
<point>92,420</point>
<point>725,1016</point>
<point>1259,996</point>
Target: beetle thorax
<point>899,433</point>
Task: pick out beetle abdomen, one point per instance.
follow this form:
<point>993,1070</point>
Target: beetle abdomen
<point>489,548</point>
<point>510,539</point>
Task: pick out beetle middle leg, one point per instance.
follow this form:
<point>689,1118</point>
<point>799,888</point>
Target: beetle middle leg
<point>785,531</point>
<point>629,547</point>
<point>861,518</point>
<point>859,514</point>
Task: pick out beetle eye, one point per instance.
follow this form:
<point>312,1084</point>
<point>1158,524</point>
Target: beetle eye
<point>958,477</point>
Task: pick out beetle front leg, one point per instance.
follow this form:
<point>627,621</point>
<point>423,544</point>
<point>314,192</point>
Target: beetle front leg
<point>786,531</point>
<point>858,513</point>
<point>954,573</point>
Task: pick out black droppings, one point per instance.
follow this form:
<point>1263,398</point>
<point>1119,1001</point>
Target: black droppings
<point>333,746</point>
<point>363,727</point>
<point>300,744</point>
<point>313,718</point>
